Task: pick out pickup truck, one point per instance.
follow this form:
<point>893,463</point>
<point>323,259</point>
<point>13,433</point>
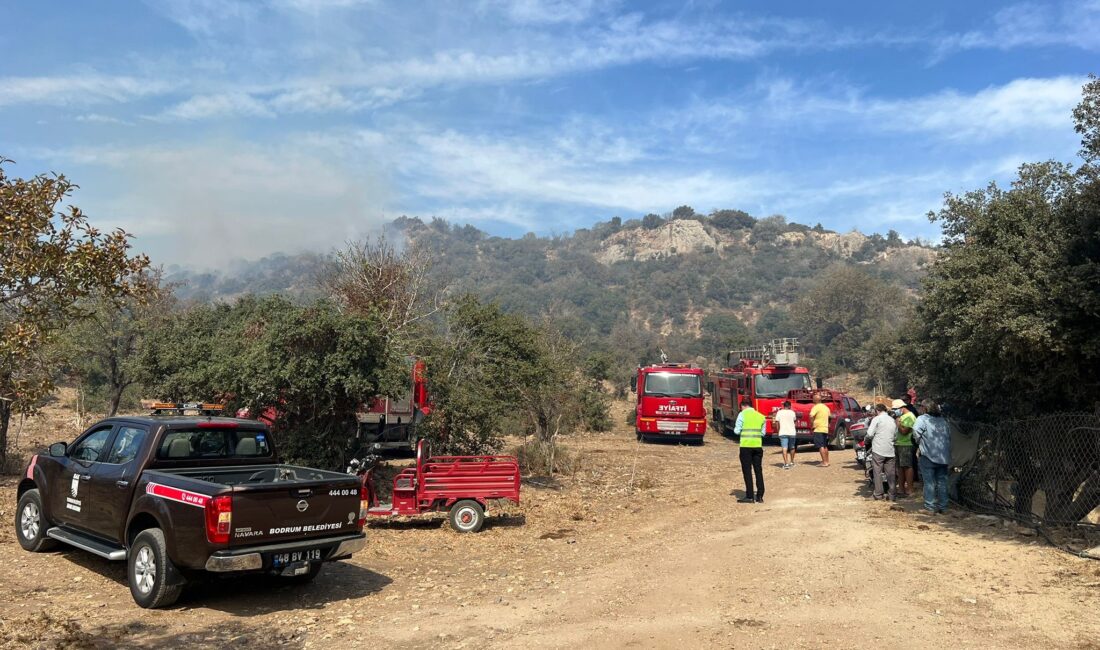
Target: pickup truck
<point>178,497</point>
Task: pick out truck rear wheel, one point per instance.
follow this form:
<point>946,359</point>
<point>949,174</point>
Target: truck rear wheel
<point>467,516</point>
<point>31,524</point>
<point>154,580</point>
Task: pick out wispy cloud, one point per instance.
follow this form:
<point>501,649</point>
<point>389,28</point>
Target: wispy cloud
<point>97,118</point>
<point>77,89</point>
<point>1071,23</point>
<point>205,106</point>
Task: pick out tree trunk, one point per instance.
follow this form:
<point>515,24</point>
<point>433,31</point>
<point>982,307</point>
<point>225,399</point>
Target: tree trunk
<point>5,419</point>
<point>116,397</point>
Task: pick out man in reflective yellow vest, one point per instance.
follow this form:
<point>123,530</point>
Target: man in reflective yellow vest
<point>750,429</point>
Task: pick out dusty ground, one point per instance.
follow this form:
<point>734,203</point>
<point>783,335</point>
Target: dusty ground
<point>642,546</point>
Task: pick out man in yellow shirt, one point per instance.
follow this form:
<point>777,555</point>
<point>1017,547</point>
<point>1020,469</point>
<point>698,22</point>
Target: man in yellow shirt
<point>819,417</point>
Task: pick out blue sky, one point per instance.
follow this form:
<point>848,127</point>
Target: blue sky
<point>221,129</point>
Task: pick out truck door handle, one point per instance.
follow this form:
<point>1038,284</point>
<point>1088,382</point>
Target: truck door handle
<point>85,477</point>
<point>122,484</point>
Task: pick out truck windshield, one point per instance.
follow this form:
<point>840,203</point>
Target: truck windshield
<point>779,384</point>
<point>214,443</point>
<point>671,384</point>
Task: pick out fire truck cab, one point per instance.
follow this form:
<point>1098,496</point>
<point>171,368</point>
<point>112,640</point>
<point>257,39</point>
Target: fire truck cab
<point>765,375</point>
<point>769,375</point>
<point>670,402</point>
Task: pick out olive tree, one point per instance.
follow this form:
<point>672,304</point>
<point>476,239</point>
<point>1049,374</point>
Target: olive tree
<point>51,258</point>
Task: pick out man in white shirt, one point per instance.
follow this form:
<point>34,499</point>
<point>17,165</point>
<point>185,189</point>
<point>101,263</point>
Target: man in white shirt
<point>785,418</point>
<point>881,434</point>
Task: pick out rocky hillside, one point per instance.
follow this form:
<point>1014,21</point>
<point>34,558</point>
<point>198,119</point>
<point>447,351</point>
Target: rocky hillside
<point>690,285</point>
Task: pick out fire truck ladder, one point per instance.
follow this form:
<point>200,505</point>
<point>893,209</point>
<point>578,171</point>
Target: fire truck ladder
<point>781,352</point>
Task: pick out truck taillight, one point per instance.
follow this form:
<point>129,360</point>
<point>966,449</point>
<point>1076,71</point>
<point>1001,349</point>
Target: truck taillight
<point>219,519</point>
<point>364,505</point>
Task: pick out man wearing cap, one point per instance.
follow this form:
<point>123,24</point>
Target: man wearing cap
<point>903,453</point>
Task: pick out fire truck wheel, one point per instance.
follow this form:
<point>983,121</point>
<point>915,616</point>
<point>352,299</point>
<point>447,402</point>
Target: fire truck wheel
<point>638,434</point>
<point>467,516</point>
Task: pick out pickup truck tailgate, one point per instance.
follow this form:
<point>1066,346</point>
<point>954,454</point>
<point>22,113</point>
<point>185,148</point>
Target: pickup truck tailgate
<point>272,512</point>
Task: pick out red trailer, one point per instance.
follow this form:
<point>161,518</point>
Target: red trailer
<point>462,485</point>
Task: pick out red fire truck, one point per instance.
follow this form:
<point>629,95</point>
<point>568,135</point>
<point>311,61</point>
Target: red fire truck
<point>670,402</point>
<point>385,423</point>
<point>768,375</point>
<point>390,422</point>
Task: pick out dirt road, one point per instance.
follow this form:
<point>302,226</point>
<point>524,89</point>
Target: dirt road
<point>642,546</point>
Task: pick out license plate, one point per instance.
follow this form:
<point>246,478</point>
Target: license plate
<point>860,454</point>
<point>671,426</point>
<point>283,559</point>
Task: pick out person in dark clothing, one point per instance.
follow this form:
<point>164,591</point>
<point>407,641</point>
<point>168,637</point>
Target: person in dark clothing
<point>749,428</point>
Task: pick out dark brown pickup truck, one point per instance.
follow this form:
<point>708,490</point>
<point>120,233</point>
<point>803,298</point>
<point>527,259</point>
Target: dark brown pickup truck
<point>177,496</point>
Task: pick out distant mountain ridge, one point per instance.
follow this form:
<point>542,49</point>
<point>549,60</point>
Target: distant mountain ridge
<point>685,282</point>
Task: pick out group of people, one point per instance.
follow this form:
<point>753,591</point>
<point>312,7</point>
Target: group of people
<point>895,437</point>
<point>750,428</point>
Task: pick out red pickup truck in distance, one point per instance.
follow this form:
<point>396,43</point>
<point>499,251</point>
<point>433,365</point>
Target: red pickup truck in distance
<point>176,496</point>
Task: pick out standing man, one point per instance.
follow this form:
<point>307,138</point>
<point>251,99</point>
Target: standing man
<point>881,434</point>
<point>819,416</point>
<point>934,437</point>
<point>904,451</point>
<point>750,427</point>
<point>785,418</point>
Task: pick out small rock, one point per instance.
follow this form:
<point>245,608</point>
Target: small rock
<point>972,601</point>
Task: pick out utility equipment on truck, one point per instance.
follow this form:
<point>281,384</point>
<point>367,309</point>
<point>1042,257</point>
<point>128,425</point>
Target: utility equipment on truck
<point>669,402</point>
<point>391,422</point>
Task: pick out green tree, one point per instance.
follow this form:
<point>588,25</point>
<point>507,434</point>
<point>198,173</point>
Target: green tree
<point>313,365</point>
<point>843,310</point>
<point>51,258</point>
<point>652,221</point>
<point>683,212</point>
<point>1010,306</point>
<point>731,219</point>
<point>101,349</point>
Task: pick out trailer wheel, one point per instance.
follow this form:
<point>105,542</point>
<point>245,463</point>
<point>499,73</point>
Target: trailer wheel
<point>467,516</point>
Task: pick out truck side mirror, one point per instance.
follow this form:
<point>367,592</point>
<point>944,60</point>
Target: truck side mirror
<point>58,449</point>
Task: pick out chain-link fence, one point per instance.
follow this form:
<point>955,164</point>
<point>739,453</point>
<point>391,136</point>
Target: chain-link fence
<point>1041,472</point>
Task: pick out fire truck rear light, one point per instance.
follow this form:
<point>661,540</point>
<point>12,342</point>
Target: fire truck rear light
<point>219,519</point>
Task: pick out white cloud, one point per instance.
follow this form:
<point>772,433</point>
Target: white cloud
<point>207,106</point>
<point>1072,23</point>
<point>548,11</point>
<point>76,89</point>
<point>1020,108</point>
<point>97,118</point>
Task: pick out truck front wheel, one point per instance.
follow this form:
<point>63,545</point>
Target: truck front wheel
<point>154,580</point>
<point>467,516</point>
<point>31,524</point>
<point>840,440</point>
